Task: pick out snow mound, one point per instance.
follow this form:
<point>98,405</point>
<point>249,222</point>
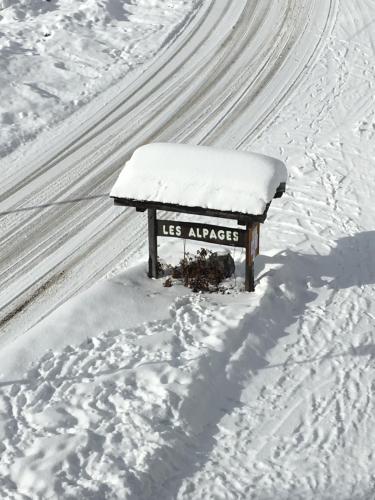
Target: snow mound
<point>111,417</point>
<point>200,176</point>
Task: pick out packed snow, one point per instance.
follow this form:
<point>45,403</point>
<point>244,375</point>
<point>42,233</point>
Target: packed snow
<point>199,176</point>
<point>114,411</point>
<point>57,55</point>
<point>234,395</point>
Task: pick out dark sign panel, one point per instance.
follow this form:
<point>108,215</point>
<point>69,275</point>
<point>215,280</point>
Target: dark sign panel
<point>202,232</point>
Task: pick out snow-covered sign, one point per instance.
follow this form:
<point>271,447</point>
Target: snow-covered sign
<point>203,181</point>
<point>201,176</point>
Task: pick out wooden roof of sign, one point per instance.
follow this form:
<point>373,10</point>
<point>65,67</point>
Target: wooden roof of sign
<point>200,180</point>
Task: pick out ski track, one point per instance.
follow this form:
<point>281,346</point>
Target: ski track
<point>231,397</point>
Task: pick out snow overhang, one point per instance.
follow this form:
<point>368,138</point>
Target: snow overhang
<point>201,180</point>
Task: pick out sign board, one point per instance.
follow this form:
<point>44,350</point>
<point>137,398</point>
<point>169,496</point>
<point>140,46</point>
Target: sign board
<point>246,238</point>
<point>202,232</point>
<point>230,236</point>
<point>158,178</point>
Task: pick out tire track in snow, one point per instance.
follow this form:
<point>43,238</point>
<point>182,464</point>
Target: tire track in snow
<point>318,372</point>
<point>88,167</point>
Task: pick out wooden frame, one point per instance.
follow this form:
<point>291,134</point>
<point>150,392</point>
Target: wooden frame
<point>142,206</point>
<point>247,238</point>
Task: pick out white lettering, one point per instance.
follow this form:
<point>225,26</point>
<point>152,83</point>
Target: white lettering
<point>212,234</point>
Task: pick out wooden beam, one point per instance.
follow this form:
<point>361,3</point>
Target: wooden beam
<point>280,190</point>
<point>208,212</point>
<point>249,263</point>
<point>152,244</point>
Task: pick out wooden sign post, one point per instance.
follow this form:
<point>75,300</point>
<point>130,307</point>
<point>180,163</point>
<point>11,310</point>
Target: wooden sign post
<point>247,238</point>
<point>152,244</point>
<point>236,237</point>
<point>200,180</point>
<point>252,250</point>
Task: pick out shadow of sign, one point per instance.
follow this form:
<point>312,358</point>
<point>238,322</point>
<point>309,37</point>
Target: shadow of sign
<point>295,280</point>
<point>350,263</point>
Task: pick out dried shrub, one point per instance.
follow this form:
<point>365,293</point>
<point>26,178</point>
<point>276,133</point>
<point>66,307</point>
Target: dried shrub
<point>202,272</point>
<point>168,282</point>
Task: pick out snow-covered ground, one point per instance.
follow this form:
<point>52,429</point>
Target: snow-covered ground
<point>264,396</point>
<point>59,231</point>
<point>56,55</point>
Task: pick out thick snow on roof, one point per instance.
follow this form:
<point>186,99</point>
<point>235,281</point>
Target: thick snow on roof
<point>200,176</point>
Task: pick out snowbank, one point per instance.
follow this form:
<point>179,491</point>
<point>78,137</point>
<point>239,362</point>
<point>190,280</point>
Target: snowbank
<point>129,299</point>
<point>110,416</point>
<point>199,176</point>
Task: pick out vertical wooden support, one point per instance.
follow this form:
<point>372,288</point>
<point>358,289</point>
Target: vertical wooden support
<point>249,274</point>
<point>152,244</point>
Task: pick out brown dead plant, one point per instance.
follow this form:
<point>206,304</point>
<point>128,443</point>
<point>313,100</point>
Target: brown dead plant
<point>202,272</point>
